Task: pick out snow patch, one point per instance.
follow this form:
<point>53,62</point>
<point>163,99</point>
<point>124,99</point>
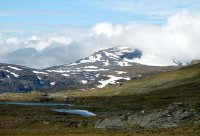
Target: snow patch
<point>98,57</point>
<point>53,83</point>
<point>57,71</point>
<point>72,64</point>
<point>91,67</point>
<point>84,81</point>
<point>39,78</point>
<point>111,55</point>
<point>97,75</point>
<point>106,63</point>
<point>15,68</point>
<point>12,73</point>
<point>38,72</point>
<point>112,80</point>
<point>93,70</point>
<point>92,59</point>
<point>123,63</point>
<point>66,75</point>
<point>120,72</point>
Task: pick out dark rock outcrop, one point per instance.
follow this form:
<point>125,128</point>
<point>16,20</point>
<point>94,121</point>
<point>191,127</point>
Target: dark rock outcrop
<point>175,114</point>
<point>132,55</point>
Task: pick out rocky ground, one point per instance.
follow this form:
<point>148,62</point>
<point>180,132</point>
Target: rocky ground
<point>172,116</point>
<point>176,119</point>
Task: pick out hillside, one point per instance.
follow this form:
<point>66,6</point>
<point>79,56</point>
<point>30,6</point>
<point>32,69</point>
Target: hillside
<point>109,66</point>
<point>162,104</point>
<point>177,78</point>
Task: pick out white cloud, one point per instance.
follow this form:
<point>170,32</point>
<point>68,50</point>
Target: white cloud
<point>1,40</point>
<point>12,40</point>
<point>33,38</point>
<point>107,29</point>
<point>41,44</point>
<point>60,39</point>
<point>178,39</point>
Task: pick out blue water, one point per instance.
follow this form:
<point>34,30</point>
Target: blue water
<point>35,104</point>
<point>78,112</point>
<point>72,111</point>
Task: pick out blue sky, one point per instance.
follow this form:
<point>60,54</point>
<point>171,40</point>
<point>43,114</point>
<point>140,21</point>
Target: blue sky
<point>53,31</point>
<point>48,14</point>
<point>58,13</point>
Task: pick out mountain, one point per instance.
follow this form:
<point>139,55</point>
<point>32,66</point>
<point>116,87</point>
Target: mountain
<point>15,78</point>
<point>112,57</point>
<point>110,66</point>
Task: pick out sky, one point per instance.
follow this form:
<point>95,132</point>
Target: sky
<point>43,33</point>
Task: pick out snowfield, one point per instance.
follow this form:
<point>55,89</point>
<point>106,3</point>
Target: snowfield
<point>38,72</point>
<point>15,68</point>
<point>84,81</point>
<point>12,73</point>
<point>112,80</point>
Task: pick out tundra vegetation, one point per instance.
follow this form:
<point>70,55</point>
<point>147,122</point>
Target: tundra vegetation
<point>167,103</point>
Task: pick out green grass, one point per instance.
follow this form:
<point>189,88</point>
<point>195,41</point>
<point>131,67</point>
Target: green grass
<point>148,94</point>
<point>145,85</point>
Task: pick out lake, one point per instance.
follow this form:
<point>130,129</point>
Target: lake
<point>74,111</point>
<point>35,104</point>
<point>84,113</point>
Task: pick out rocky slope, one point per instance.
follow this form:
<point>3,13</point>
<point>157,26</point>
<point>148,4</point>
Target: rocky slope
<point>14,78</point>
<point>175,114</point>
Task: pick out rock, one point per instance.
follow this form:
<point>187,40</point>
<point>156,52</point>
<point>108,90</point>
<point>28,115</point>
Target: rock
<point>197,121</point>
<point>132,55</point>
<point>111,122</point>
<point>45,122</point>
<point>70,99</point>
<point>75,123</point>
<point>172,116</point>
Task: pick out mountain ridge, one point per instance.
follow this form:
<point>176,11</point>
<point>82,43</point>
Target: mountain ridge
<point>104,67</point>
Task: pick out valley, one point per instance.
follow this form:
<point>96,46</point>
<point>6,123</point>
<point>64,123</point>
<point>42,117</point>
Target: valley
<point>99,68</point>
<point>168,102</point>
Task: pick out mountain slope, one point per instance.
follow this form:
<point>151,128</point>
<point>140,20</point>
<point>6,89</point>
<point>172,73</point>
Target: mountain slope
<point>181,78</point>
<point>15,78</point>
<point>108,66</point>
<point>105,67</point>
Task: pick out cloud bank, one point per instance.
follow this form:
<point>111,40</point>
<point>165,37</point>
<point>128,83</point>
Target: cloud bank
<point>178,39</point>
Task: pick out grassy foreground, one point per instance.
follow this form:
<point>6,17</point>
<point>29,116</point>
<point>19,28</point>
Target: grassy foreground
<point>148,94</point>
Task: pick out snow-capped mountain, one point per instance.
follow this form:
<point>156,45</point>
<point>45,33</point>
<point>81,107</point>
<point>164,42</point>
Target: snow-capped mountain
<point>15,78</point>
<point>110,66</point>
<point>112,57</point>
<point>97,69</point>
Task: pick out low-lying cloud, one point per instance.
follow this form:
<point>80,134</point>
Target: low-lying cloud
<point>178,39</point>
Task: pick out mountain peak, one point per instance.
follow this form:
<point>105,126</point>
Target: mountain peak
<point>115,56</point>
<point>98,67</point>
